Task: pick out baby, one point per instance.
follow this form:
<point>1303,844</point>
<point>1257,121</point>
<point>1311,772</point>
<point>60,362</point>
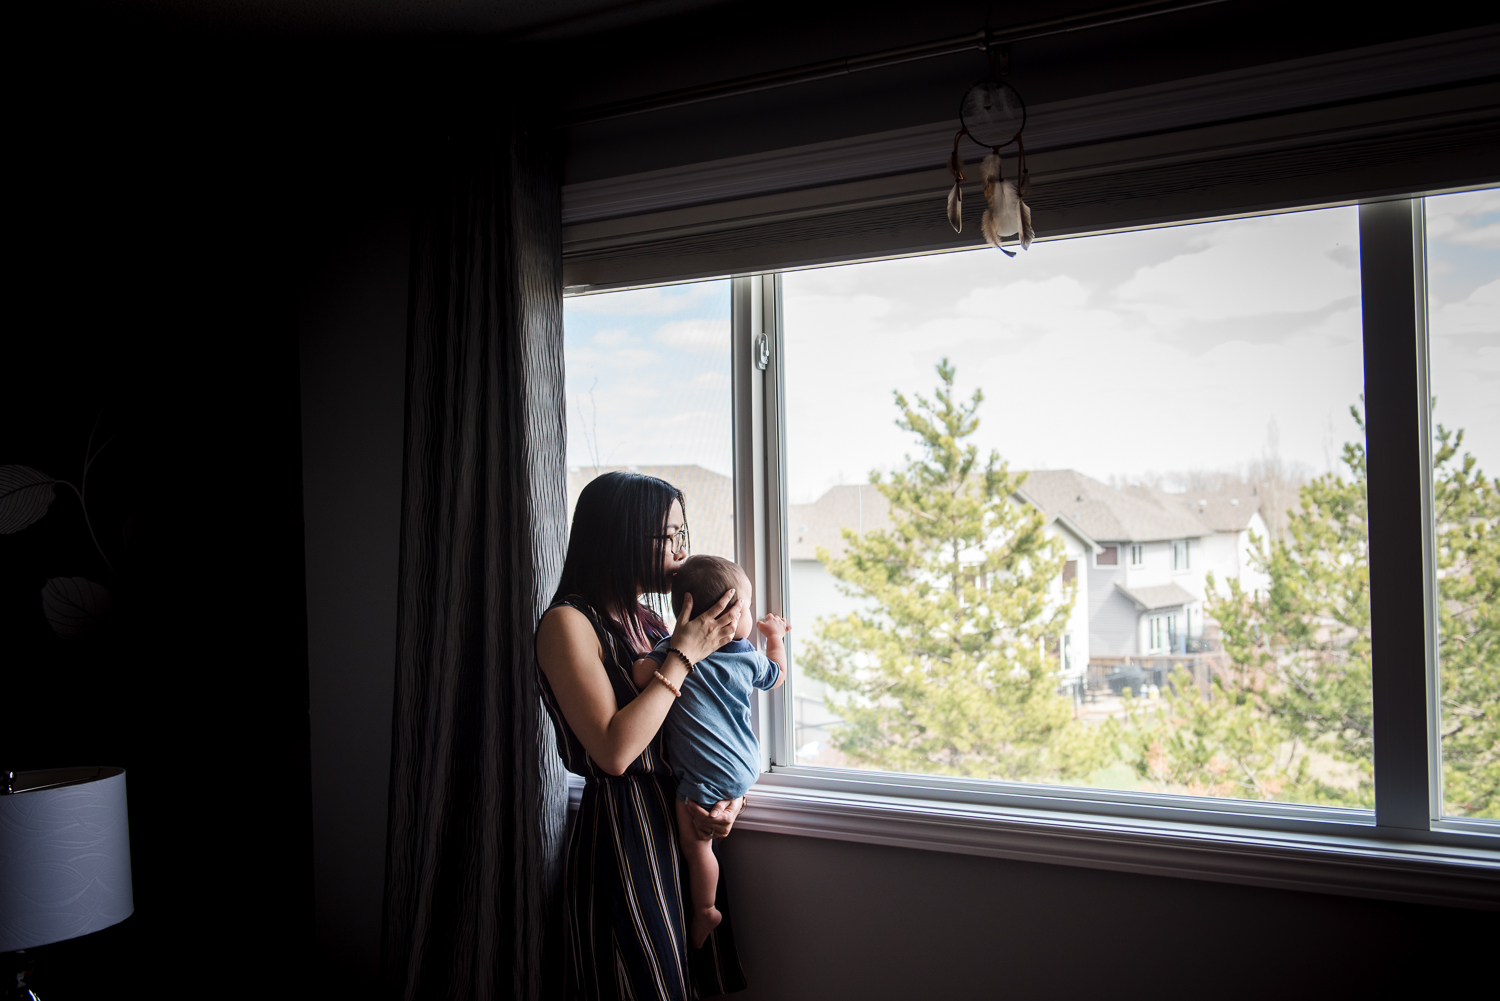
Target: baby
<point>709,742</point>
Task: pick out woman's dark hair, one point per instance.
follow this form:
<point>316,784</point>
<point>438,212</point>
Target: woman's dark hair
<point>616,550</point>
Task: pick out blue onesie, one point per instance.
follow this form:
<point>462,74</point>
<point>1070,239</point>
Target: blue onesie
<point>710,745</point>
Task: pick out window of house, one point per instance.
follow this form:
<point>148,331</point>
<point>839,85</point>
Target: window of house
<point>1463,286</point>
<point>1157,635</point>
<point>927,433</point>
<point>1180,557</point>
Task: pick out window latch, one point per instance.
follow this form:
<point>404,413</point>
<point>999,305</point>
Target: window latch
<point>762,351</point>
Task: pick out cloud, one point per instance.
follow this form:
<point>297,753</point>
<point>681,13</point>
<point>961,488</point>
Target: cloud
<point>1479,313</point>
<point>694,334</point>
<point>612,338</point>
<point>1457,219</point>
<point>1272,264</point>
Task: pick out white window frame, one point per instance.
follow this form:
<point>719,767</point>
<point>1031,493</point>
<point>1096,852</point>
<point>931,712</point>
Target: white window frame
<point>1137,554</point>
<point>1108,566</point>
<point>1388,852</point>
<point>1187,555</point>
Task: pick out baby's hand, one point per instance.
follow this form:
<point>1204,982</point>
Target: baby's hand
<point>773,627</point>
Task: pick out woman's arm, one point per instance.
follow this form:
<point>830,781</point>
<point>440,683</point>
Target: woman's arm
<point>568,650</point>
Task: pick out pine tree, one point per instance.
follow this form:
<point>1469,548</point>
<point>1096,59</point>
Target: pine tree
<point>1300,655</point>
<point>949,670</point>
<point>1467,511</point>
<point>1299,677</point>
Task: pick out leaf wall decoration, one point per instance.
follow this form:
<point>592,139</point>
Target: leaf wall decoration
<point>75,606</point>
<point>25,495</point>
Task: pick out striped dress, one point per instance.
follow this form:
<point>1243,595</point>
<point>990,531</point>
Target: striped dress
<point>624,879</point>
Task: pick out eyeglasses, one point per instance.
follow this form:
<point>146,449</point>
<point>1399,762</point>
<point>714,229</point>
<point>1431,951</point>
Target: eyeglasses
<point>678,540</point>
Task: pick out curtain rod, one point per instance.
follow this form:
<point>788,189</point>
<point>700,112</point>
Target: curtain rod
<point>982,41</point>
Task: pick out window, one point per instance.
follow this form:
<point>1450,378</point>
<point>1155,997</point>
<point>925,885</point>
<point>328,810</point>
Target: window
<point>906,659</point>
<point>1263,318</point>
<point>1463,281</point>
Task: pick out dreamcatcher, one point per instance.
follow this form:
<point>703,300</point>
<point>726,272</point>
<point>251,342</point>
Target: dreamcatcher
<point>993,115</point>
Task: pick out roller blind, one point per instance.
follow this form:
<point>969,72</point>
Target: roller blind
<point>1417,115</point>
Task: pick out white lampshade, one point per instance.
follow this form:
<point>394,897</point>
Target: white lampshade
<point>64,856</point>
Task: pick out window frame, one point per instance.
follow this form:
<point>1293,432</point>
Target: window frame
<point>1444,860</point>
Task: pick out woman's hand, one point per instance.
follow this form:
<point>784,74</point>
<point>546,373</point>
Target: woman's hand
<point>716,823</point>
<point>697,638</point>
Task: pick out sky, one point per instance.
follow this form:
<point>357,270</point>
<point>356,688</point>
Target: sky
<point>1463,318</point>
<point>1163,350</point>
<point>648,377</point>
<point>1192,347</point>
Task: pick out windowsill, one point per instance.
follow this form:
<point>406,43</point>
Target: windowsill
<point>1309,849</point>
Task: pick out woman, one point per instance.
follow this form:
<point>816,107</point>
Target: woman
<point>623,874</point>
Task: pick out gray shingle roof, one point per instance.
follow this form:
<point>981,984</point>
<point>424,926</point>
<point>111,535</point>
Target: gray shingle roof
<point>861,507</point>
<point>1109,514</point>
<point>1228,510</point>
<point>1163,596</point>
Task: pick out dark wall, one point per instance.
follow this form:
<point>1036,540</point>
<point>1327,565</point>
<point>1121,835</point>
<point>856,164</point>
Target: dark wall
<point>151,310</point>
<point>183,209</point>
<point>817,919</point>
<point>353,360</point>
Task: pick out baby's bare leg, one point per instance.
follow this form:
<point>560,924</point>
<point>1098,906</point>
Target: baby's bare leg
<point>703,878</point>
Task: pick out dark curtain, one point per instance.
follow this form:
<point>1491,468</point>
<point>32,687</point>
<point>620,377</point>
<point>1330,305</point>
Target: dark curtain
<point>478,801</point>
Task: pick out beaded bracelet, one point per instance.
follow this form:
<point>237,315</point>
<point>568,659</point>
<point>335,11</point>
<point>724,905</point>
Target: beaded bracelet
<point>676,692</point>
<point>690,665</point>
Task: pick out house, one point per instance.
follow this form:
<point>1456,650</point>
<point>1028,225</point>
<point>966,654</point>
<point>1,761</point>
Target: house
<point>708,499</point>
<point>1155,553</point>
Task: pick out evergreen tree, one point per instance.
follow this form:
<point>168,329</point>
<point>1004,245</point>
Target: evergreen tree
<point>1299,655</point>
<point>1299,665</point>
<point>949,669</point>
<point>1467,511</point>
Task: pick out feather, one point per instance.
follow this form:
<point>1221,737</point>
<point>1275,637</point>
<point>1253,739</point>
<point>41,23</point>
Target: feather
<point>1008,210</point>
<point>990,174</point>
<point>1023,187</point>
<point>956,196</point>
<point>987,226</point>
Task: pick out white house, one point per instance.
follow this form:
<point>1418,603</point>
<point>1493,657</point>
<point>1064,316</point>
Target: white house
<point>1147,579</point>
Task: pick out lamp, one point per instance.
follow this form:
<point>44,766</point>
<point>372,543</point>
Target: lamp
<point>64,857</point>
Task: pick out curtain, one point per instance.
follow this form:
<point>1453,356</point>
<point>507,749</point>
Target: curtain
<point>478,800</point>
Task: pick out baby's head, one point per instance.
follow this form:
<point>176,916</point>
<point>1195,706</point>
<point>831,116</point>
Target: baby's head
<point>706,578</point>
